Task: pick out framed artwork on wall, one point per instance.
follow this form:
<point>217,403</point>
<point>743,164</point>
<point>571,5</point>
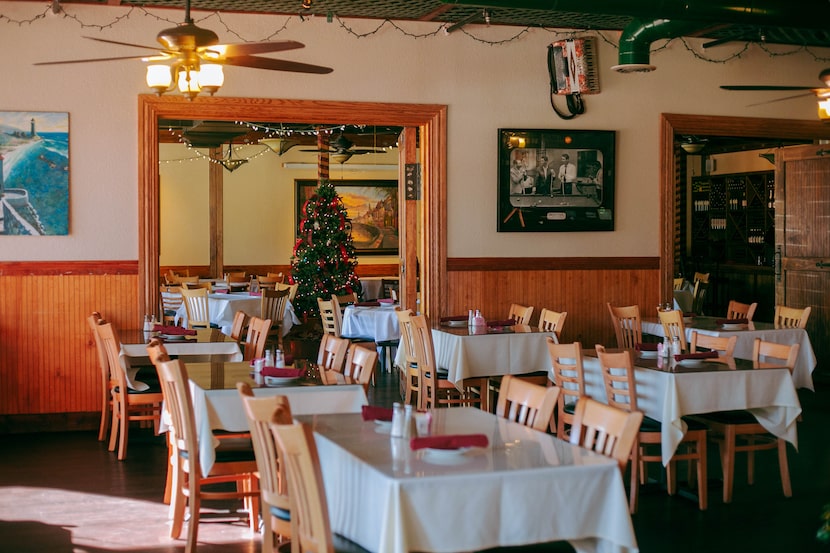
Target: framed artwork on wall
<point>372,208</point>
<point>555,180</point>
<point>34,173</point>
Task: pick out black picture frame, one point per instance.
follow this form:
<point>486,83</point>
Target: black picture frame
<point>372,208</point>
<point>534,197</point>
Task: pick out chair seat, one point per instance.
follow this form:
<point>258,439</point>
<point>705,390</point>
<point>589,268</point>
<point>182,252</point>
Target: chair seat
<point>281,514</point>
<point>154,388</point>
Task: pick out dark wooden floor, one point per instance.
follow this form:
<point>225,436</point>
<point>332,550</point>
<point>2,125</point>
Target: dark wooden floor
<point>66,493</point>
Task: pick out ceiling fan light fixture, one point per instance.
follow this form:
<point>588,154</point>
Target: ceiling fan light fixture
<point>341,157</point>
<point>211,77</point>
<point>692,147</point>
<point>159,78</point>
<point>824,109</point>
<point>188,82</point>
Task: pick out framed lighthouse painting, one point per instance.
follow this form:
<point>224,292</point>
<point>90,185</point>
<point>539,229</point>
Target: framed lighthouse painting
<point>34,173</point>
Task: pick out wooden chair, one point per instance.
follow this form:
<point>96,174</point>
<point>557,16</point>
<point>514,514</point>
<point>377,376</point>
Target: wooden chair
<point>272,306</point>
<point>197,306</point>
<point>106,380</point>
<point>257,338</point>
<point>359,366</point>
<point>390,288</point>
<point>673,328</point>
<point>723,345</point>
<point>621,392</point>
<point>552,321</point>
<point>187,279</point>
<point>738,310</point>
<point>157,353</point>
<point>520,313</point>
<point>410,376</point>
<point>273,487</point>
<point>268,283</point>
<point>678,283</point>
<point>342,301</point>
<point>238,281</point>
<point>170,299</point>
<point>196,285</point>
<point>292,289</point>
<point>331,356</point>
<point>627,325</point>
<point>605,429</point>
<point>329,317</point>
<point>701,283</point>
<point>127,405</point>
<point>568,376</point>
<point>279,276</point>
<point>527,403</point>
<point>311,527</point>
<point>235,462</point>
<point>435,390</point>
<point>739,431</point>
<point>791,317</point>
<point>239,326</point>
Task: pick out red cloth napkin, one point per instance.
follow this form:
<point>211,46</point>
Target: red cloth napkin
<point>372,413</point>
<point>221,291</point>
<point>449,441</point>
<point>174,330</point>
<point>256,293</point>
<point>282,373</point>
<point>645,346</point>
<point>367,304</point>
<point>386,300</point>
<point>699,355</point>
<point>504,322</point>
<point>731,321</point>
<point>454,318</point>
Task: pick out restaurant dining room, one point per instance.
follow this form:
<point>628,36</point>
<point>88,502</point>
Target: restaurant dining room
<point>436,276</point>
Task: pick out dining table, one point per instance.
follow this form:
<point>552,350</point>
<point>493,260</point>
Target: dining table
<point>524,487</point>
<point>223,306</point>
<point>207,344</point>
<point>218,406</point>
<point>667,391</point>
<point>746,334</point>
<point>375,322</point>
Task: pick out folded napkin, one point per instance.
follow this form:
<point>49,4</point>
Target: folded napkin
<point>454,318</point>
<point>367,304</point>
<point>221,291</point>
<point>698,355</point>
<point>731,321</point>
<point>373,413</point>
<point>503,322</point>
<point>282,373</point>
<point>387,301</point>
<point>449,441</point>
<point>174,330</point>
<point>255,293</point>
<point>645,346</point>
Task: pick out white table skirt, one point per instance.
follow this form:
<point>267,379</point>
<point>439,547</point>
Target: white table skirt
<point>191,352</point>
<point>376,323</point>
<point>490,354</point>
<point>667,396</point>
<point>223,307</point>
<point>526,487</point>
<point>804,366</point>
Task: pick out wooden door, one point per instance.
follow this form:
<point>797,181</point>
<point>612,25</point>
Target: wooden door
<point>802,238</point>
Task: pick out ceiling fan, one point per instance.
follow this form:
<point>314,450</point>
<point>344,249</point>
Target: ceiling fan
<point>341,149</point>
<point>193,52</point>
<point>823,94</point>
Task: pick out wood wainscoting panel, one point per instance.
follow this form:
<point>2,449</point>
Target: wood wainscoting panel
<point>581,287</point>
<point>47,354</point>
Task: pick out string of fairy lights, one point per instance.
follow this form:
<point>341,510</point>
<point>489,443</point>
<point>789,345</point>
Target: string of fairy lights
<point>56,9</point>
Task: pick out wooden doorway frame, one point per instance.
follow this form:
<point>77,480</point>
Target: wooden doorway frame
<point>429,119</point>
<point>672,124</point>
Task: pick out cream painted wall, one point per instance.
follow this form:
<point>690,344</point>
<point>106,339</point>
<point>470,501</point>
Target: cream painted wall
<point>259,207</point>
<point>485,86</point>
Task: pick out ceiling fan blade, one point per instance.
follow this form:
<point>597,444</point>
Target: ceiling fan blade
<point>276,65</point>
<point>784,98</point>
<point>122,43</point>
<point>765,87</point>
<point>250,48</point>
<point>90,60</point>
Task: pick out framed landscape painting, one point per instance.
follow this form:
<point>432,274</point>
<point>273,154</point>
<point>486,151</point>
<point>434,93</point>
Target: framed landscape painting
<point>372,209</point>
<point>34,173</point>
<point>555,180</point>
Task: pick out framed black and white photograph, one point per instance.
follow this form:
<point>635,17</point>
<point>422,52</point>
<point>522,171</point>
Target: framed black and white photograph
<point>555,180</point>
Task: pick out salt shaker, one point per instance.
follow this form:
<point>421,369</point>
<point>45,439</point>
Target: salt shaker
<point>675,346</point>
<point>470,317</point>
<point>269,358</point>
<point>279,359</point>
<point>667,347</point>
<point>148,326</point>
<point>410,430</point>
<point>397,421</point>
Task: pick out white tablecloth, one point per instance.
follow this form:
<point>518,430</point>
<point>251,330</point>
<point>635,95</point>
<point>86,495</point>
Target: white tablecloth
<point>221,409</point>
<point>475,356</point>
<point>376,323</point>
<point>667,396</point>
<point>526,487</point>
<point>804,366</point>
<point>223,307</point>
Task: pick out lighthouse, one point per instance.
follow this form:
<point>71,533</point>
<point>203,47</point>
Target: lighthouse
<point>32,132</point>
<point>2,189</point>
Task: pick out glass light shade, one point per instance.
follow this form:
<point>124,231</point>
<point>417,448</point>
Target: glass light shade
<point>341,157</point>
<point>159,78</point>
<point>211,77</point>
<point>824,109</point>
<point>189,82</point>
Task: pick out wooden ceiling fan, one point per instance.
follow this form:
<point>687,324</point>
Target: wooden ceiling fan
<point>187,48</point>
<point>822,93</point>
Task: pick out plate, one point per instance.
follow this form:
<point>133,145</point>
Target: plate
<point>174,337</point>
<point>387,424</point>
<point>279,380</point>
<point>691,362</point>
<point>383,427</point>
<point>733,326</point>
<point>648,355</point>
<point>436,452</point>
<point>456,323</point>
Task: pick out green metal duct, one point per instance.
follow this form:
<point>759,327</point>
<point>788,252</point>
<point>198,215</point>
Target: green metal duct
<point>636,39</point>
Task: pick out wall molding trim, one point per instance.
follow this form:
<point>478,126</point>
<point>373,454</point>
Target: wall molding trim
<point>551,263</point>
<point>47,268</point>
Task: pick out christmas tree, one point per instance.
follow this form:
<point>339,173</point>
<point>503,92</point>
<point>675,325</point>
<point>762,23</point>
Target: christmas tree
<point>324,260</point>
